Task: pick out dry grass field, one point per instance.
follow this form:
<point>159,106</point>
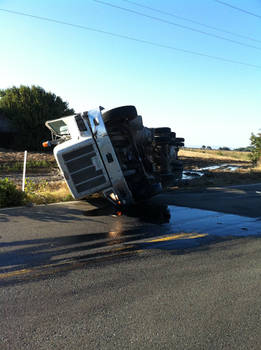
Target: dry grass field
<point>198,158</point>
<point>233,167</point>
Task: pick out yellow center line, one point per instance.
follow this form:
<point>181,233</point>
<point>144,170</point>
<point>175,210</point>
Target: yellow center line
<point>65,265</point>
<point>120,251</point>
<point>180,236</point>
<point>15,273</point>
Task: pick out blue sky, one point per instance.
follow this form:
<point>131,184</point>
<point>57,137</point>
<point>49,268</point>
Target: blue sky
<point>207,101</point>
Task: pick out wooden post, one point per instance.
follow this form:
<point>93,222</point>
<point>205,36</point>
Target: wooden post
<point>24,170</point>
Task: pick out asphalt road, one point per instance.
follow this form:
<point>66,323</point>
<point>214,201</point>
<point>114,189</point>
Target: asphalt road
<point>74,277</point>
<point>241,200</point>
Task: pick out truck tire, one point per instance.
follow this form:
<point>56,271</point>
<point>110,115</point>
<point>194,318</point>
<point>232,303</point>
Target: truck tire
<point>149,191</point>
<point>120,114</point>
<point>180,139</point>
<point>162,139</point>
<point>136,123</point>
<point>162,131</point>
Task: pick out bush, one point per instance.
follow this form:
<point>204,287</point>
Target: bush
<point>255,155</point>
<point>10,196</point>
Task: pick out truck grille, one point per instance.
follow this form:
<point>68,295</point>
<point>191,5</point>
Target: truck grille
<point>83,173</point>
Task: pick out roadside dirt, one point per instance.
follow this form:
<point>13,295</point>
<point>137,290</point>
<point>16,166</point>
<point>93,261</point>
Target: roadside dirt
<point>9,156</point>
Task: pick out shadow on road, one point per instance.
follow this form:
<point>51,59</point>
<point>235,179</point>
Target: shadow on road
<point>25,254</point>
<point>50,213</point>
<point>188,229</point>
<point>40,258</point>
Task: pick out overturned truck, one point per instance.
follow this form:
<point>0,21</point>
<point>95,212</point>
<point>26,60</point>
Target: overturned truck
<point>112,152</point>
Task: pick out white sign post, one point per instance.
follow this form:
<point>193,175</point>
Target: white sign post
<point>24,170</point>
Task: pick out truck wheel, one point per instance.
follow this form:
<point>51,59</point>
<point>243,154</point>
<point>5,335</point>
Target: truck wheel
<point>162,131</point>
<point>150,190</point>
<point>162,139</point>
<point>180,139</point>
<point>136,123</point>
<point>120,114</point>
<point>168,179</point>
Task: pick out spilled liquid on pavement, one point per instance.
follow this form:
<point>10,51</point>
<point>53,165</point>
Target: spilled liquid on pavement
<point>140,229</point>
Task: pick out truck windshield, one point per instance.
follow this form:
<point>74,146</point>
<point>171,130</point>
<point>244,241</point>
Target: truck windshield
<point>59,127</point>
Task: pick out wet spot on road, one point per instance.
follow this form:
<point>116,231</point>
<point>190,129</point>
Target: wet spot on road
<point>166,228</point>
<point>144,211</point>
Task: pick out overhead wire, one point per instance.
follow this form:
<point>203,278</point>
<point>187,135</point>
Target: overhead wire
<point>171,14</point>
<point>176,24</point>
<point>117,35</point>
<point>238,9</point>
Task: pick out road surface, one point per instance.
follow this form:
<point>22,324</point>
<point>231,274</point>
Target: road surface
<point>76,277</point>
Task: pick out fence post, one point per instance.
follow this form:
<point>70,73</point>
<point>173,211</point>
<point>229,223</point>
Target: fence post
<point>24,170</point>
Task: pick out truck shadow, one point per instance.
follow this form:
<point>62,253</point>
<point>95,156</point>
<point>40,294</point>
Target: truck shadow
<point>40,258</point>
<point>50,213</point>
<point>186,231</point>
<point>25,254</point>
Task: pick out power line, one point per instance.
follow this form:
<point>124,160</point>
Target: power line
<point>176,24</point>
<point>152,43</point>
<point>171,14</point>
<point>238,9</point>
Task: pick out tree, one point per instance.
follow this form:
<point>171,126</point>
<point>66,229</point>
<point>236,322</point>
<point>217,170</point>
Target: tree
<point>224,148</point>
<point>28,108</point>
<point>255,155</point>
<point>244,149</point>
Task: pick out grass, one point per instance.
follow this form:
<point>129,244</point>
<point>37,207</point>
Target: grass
<point>214,154</point>
<point>40,192</point>
<point>198,158</point>
<point>30,165</point>
<point>46,193</point>
<point>35,193</point>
